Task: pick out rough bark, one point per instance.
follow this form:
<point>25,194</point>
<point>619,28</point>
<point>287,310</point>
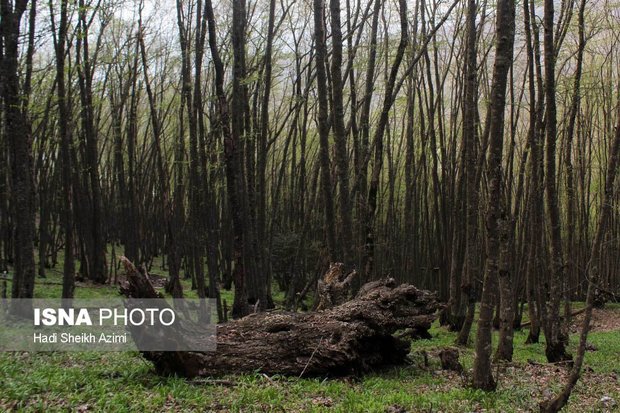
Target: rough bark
<point>348,339</point>
<point>465,313</point>
<point>506,312</point>
<point>505,27</point>
<point>556,344</point>
<point>534,295</point>
<point>333,289</point>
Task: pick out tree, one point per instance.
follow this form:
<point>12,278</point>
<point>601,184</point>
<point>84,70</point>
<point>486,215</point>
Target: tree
<point>388,101</point>
<point>555,343</point>
<point>534,208</point>
<point>340,136</point>
<point>19,136</point>
<point>92,224</point>
<point>505,31</point>
<point>593,271</point>
<point>323,125</point>
<point>231,128</point>
<point>571,208</point>
<point>174,285</point>
<point>470,154</point>
<point>60,40</point>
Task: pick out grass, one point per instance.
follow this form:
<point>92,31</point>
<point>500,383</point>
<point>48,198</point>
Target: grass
<point>124,382</point>
<point>51,285</point>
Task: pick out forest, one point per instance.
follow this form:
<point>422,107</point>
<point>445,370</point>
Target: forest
<point>311,158</point>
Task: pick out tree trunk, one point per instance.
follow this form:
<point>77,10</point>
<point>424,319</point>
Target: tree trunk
<point>465,313</point>
<point>388,101</point>
<point>593,269</point>
<point>340,135</point>
<point>232,150</point>
<point>19,136</point>
<point>536,186</point>
<point>506,313</point>
<point>555,344</point>
<point>505,29</point>
<point>351,338</point>
<point>571,204</point>
<point>68,281</point>
<point>323,124</point>
<point>264,276</point>
<point>93,228</point>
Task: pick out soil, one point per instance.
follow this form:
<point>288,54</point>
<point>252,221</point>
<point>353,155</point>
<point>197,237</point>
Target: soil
<point>605,319</point>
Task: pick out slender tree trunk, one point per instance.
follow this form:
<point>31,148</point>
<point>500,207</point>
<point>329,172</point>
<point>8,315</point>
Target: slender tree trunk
<point>593,273</point>
<point>162,171</point>
<point>68,283</point>
<point>388,101</point>
<point>506,312</point>
<point>132,247</point>
<point>361,168</point>
<point>536,186</point>
<point>555,344</point>
<point>470,143</point>
<point>264,273</point>
<point>505,31</point>
<point>232,150</point>
<point>323,123</point>
<point>97,245</point>
<point>571,217</point>
<point>195,244</point>
<point>340,135</point>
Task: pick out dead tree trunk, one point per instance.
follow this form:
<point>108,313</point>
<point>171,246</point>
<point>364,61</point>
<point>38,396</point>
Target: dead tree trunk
<point>350,338</point>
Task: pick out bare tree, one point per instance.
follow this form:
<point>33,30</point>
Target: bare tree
<point>323,125</point>
<point>505,30</point>
<point>593,272</point>
<point>60,39</point>
<point>470,154</point>
<point>19,136</point>
<point>555,343</point>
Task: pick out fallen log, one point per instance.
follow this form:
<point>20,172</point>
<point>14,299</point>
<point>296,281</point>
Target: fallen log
<point>350,338</point>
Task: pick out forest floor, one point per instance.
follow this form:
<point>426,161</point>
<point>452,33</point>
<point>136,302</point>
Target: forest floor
<point>124,382</point>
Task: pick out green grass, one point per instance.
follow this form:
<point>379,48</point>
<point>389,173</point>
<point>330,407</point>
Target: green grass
<point>51,285</point>
<point>124,382</point>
